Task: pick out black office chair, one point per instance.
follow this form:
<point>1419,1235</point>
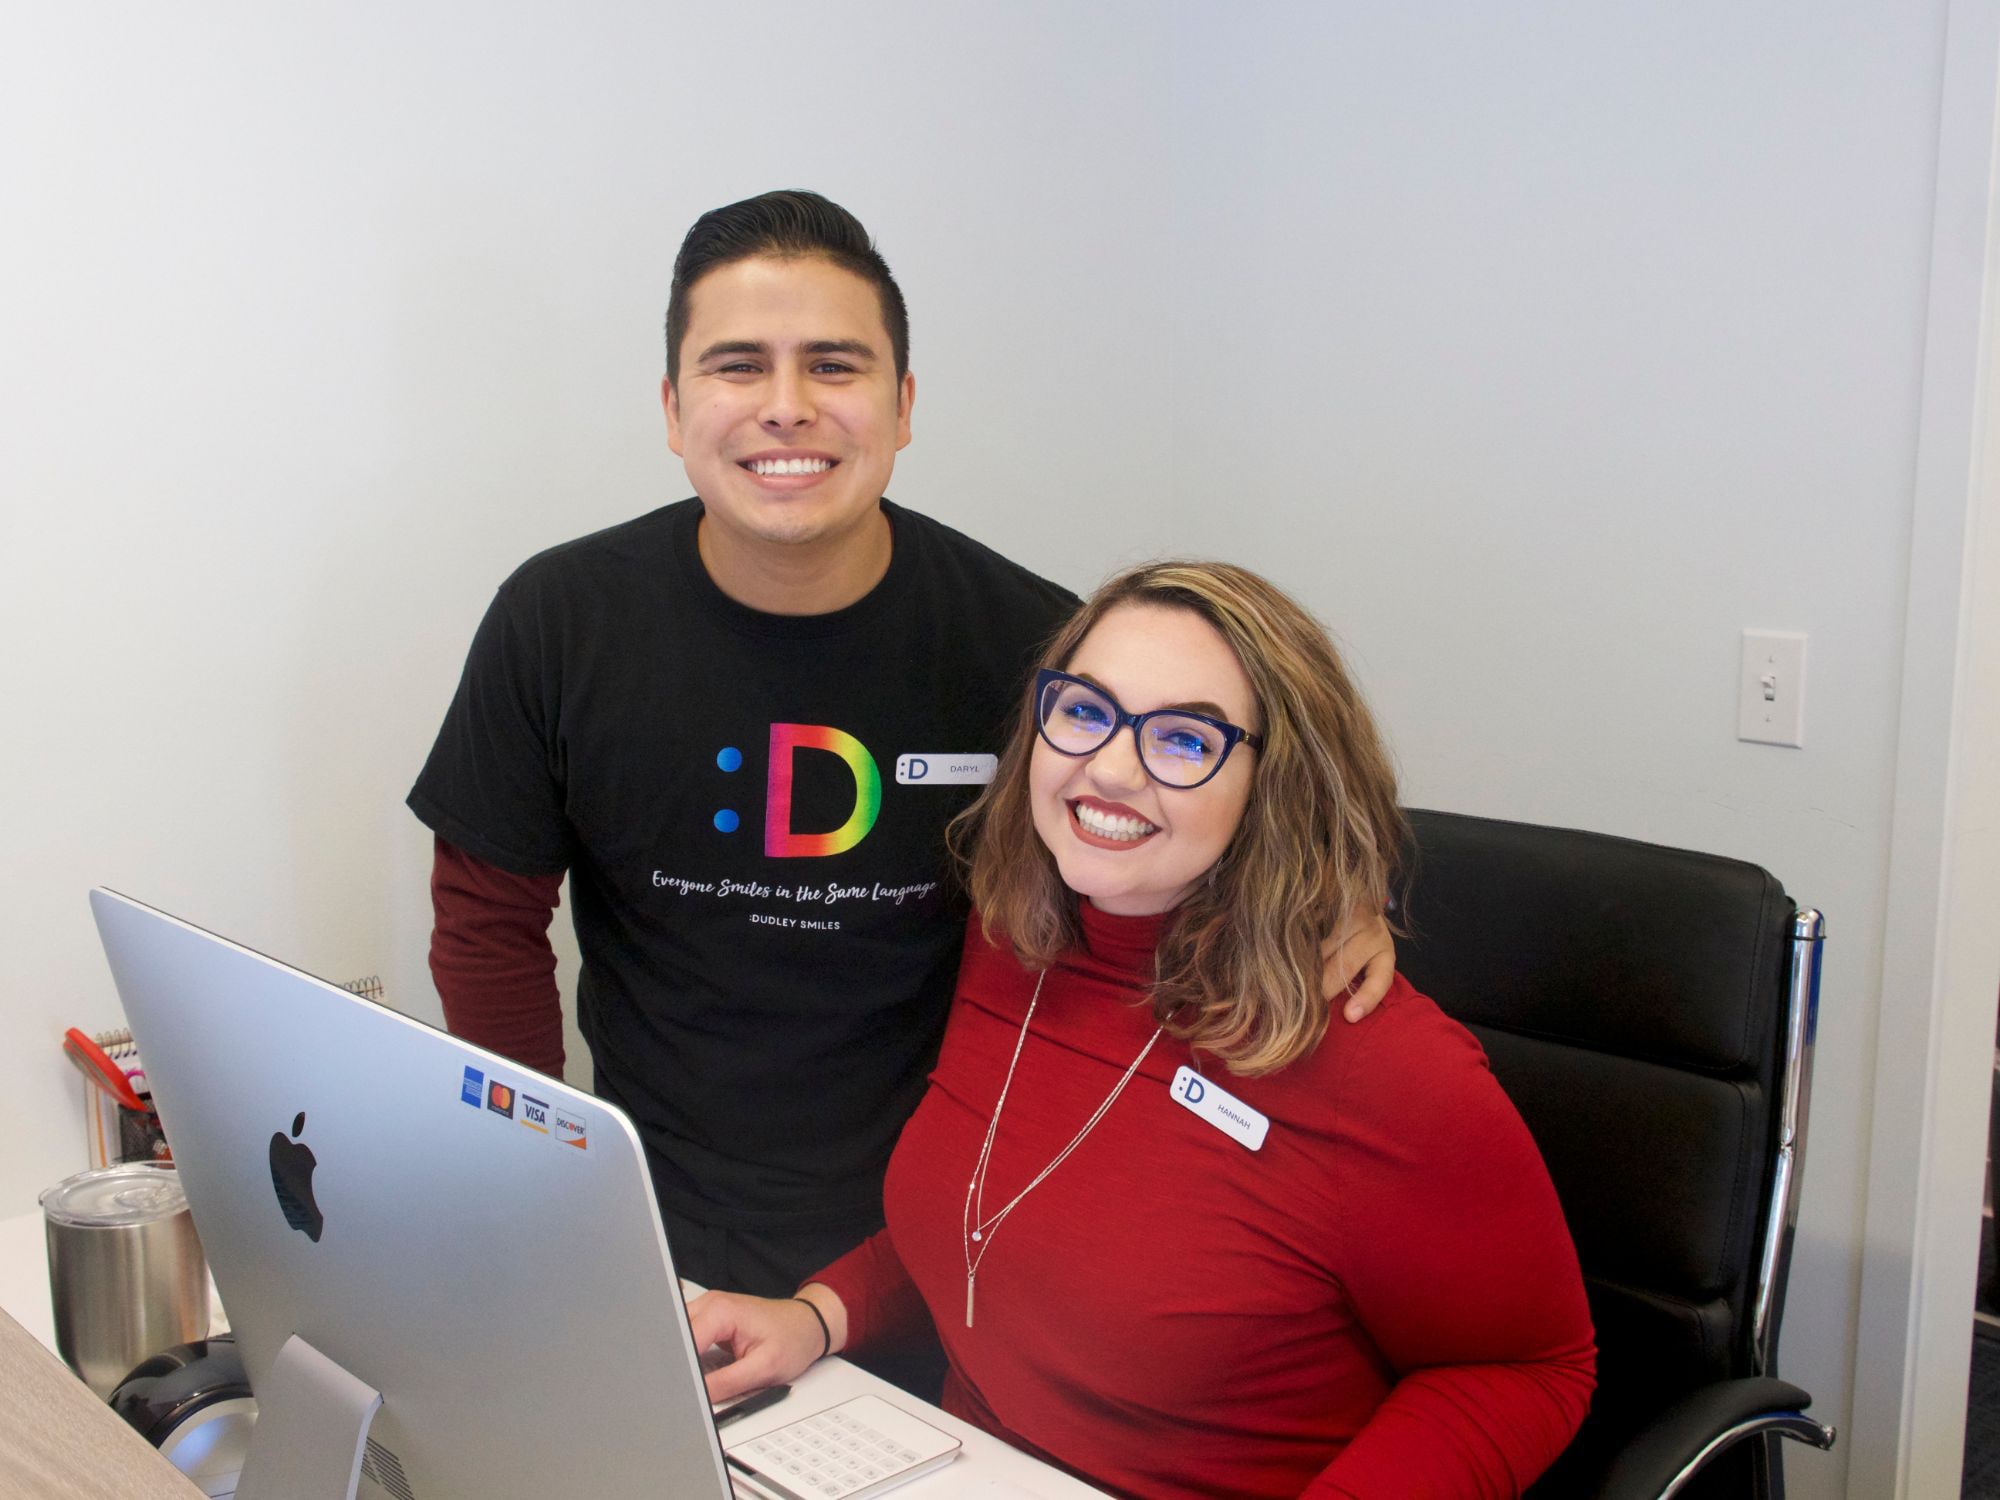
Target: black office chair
<point>1650,1011</point>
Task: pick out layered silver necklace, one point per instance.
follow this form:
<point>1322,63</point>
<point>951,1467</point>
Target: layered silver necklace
<point>979,1230</point>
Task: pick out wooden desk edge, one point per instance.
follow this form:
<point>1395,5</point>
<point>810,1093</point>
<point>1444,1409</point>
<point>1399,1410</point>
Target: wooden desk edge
<point>59,1442</point>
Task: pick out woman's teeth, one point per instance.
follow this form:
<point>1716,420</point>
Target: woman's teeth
<point>1111,825</point>
<point>770,466</point>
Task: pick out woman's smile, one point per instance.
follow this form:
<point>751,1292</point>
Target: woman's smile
<point>1109,825</point>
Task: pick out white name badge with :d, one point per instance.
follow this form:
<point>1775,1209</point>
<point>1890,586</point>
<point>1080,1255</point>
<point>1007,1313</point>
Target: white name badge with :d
<point>927,768</point>
<point>1223,1110</point>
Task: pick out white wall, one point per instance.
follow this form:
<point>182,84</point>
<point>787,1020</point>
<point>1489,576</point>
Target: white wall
<point>326,319</point>
<point>1614,352</point>
<point>1542,348</point>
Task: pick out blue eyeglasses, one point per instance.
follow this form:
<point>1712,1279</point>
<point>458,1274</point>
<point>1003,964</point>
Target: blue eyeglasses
<point>1178,748</point>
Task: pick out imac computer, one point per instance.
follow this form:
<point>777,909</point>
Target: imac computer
<point>444,1271</point>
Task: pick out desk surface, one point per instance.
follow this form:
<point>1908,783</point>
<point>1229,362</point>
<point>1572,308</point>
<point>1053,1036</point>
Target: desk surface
<point>24,1276</point>
<point>58,1440</point>
<point>987,1468</point>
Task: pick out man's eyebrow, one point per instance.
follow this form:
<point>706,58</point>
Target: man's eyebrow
<point>731,346</point>
<point>854,347</point>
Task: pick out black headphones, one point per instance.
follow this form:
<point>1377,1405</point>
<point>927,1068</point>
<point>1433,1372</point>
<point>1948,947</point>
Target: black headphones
<point>192,1402</point>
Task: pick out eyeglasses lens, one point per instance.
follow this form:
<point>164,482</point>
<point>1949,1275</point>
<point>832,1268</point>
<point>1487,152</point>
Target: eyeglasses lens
<point>1181,752</point>
<point>1075,718</point>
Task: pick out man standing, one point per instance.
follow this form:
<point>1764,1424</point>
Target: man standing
<point>740,724</point>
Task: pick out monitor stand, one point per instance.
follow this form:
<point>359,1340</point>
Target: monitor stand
<point>312,1425</point>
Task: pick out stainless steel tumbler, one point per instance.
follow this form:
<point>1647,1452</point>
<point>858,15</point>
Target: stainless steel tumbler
<point>125,1269</point>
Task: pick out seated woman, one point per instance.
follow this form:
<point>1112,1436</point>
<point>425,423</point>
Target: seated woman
<point>1178,1234</point>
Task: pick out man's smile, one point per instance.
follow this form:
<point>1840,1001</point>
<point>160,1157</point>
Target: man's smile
<point>778,465</point>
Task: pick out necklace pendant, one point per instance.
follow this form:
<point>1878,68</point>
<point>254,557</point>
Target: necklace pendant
<point>976,1236</point>
<point>968,1302</point>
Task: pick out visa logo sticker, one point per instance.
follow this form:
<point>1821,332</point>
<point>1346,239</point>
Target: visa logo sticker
<point>534,1113</point>
<point>472,1086</point>
<point>1223,1110</point>
<point>941,768</point>
<point>571,1131</point>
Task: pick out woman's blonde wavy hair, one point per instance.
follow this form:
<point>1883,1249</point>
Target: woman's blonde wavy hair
<point>1239,966</point>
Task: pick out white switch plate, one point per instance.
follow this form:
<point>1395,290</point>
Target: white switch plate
<point>1771,694</point>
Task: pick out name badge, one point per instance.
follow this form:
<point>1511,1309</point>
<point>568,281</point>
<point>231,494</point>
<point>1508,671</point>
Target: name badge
<point>936,768</point>
<point>1223,1110</point>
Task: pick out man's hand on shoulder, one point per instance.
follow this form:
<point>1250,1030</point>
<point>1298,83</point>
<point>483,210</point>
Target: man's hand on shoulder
<point>1359,964</point>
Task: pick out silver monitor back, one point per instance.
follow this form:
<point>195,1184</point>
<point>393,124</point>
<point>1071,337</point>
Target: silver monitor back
<point>498,1274</point>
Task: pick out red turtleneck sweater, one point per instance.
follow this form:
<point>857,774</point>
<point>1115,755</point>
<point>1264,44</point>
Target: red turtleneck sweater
<point>1381,1302</point>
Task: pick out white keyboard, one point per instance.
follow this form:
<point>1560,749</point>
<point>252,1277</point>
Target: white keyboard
<point>851,1451</point>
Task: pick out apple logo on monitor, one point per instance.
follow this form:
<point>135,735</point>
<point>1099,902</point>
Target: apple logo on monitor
<point>291,1176</point>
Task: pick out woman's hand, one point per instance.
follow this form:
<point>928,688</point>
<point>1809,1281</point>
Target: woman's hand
<point>1360,964</point>
<point>772,1339</point>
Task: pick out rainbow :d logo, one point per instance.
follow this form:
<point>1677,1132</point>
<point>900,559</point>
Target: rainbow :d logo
<point>779,840</point>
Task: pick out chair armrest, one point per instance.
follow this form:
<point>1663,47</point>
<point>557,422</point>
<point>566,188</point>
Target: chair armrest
<point>1663,1455</point>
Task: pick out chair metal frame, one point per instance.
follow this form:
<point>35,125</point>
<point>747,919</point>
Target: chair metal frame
<point>1782,1217</point>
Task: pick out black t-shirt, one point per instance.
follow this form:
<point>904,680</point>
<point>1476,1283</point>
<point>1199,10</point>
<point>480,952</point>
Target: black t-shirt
<point>751,810</point>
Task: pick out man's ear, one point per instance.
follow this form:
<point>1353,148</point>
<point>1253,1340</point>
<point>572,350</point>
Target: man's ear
<point>671,401</point>
<point>905,399</point>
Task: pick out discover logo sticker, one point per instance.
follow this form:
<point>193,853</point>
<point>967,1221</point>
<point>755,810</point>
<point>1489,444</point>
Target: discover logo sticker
<point>571,1131</point>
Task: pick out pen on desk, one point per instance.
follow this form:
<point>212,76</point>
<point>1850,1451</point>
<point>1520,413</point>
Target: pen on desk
<point>771,1395</point>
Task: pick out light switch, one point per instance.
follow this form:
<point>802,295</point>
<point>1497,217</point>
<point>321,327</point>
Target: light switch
<point>1771,693</point>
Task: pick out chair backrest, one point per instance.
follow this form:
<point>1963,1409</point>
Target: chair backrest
<point>1633,1001</point>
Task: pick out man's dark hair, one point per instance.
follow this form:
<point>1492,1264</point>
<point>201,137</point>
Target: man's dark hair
<point>791,222</point>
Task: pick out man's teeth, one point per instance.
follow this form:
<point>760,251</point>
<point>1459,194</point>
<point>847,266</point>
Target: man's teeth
<point>789,465</point>
<point>1112,825</point>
